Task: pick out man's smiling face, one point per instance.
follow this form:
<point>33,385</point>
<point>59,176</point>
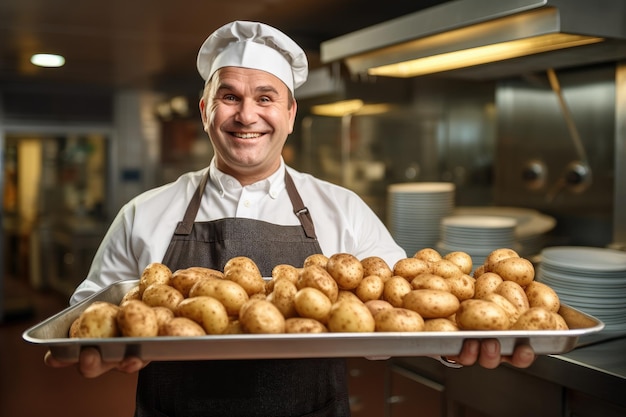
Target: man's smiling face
<point>248,117</point>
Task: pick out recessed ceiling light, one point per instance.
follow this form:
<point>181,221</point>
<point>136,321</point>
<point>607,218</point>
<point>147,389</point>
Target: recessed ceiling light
<point>47,60</point>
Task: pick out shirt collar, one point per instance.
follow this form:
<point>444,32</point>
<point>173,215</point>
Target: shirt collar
<point>225,183</point>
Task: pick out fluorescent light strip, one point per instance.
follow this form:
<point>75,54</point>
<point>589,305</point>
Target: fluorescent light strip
<point>47,60</point>
<point>482,55</point>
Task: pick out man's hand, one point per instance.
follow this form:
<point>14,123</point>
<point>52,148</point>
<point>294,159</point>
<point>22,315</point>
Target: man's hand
<point>487,354</point>
<point>90,364</point>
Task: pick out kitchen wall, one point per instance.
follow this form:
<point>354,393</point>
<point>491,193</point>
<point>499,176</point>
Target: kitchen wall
<point>485,137</point>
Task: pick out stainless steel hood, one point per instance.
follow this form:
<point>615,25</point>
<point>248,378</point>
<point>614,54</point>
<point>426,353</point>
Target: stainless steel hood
<point>597,29</point>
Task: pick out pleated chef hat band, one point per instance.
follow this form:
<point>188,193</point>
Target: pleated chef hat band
<point>257,46</point>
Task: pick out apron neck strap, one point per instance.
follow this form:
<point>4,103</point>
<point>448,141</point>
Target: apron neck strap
<point>184,227</point>
<point>300,210</point>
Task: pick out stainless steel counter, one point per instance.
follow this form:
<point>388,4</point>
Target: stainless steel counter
<point>598,369</point>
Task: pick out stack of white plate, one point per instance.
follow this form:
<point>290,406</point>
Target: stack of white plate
<point>415,211</point>
<point>589,279</point>
<point>477,236</point>
<point>532,225</point>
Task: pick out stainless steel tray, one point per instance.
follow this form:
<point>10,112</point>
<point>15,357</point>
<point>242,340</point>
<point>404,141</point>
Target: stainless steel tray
<point>52,333</point>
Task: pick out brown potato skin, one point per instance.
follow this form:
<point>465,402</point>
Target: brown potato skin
<point>261,316</point>
<point>541,295</point>
<point>304,325</point>
<point>181,326</point>
<point>370,288</point>
<point>409,268</point>
<point>431,304</point>
<point>536,318</point>
<point>398,320</point>
<point>518,270</point>
<point>162,295</point>
<point>136,319</point>
<point>346,270</point>
<point>481,315</point>
<point>350,316</point>
<point>440,325</point>
<point>395,290</point>
<point>154,273</point>
<point>99,320</point>
<point>428,255</point>
<point>375,265</point>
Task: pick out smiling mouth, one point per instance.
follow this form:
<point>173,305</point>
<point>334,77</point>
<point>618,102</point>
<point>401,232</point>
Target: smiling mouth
<point>243,135</point>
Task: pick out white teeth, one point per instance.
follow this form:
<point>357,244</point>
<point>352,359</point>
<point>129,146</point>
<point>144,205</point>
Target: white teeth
<point>247,135</point>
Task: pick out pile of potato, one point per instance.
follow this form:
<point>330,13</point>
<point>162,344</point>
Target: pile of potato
<point>340,293</point>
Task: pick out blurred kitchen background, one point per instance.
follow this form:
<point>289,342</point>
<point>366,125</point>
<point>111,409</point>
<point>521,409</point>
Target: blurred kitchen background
<point>542,132</point>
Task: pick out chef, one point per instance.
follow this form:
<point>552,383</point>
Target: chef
<point>247,202</point>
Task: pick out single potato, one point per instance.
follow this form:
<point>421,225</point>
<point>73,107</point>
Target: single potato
<point>283,297</point>
<point>463,286</point>
<point>496,256</point>
<point>370,288</point>
<point>440,325</point>
<point>375,306</point>
<point>207,311</point>
<point>481,315</point>
<point>287,271</point>
<point>445,268</point>
<point>312,303</point>
<point>428,281</point>
<point>99,320</point>
<point>375,265</point>
<point>511,311</point>
<point>395,290</point>
<point>486,283</point>
<point>304,325</point>
<point>350,316</point>
<point>535,318</point>
<point>431,303</point>
<point>261,316</point>
<point>316,259</point>
<point>137,319</point>
<point>398,320</point>
<point>251,281</point>
<point>346,270</point>
<point>518,270</point>
<point>154,273</point>
<point>181,326</point>
<point>241,262</point>
<point>428,255</point>
<point>409,268</point>
<point>163,314</point>
<point>229,293</point>
<point>462,260</point>
<point>184,279</point>
<point>513,292</point>
<point>315,276</point>
<point>542,295</point>
<point>162,295</point>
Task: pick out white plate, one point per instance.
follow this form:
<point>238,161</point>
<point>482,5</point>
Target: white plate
<point>584,258</point>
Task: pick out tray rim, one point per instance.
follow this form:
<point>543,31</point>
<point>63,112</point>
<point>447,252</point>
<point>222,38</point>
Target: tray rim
<point>358,344</point>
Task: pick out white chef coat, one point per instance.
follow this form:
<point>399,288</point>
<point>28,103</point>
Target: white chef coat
<point>142,230</point>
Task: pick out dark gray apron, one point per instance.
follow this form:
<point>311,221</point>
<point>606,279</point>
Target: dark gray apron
<point>246,388</point>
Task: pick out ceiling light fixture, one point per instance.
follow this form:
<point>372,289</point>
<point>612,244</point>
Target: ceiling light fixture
<point>47,60</point>
<point>470,33</point>
<point>482,55</point>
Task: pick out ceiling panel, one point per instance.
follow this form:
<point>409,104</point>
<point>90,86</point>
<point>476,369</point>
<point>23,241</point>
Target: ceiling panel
<point>153,43</point>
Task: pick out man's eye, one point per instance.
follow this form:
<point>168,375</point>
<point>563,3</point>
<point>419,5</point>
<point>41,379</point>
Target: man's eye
<point>264,99</point>
<point>229,97</point>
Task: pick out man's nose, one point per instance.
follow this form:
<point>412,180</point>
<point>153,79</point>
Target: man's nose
<point>246,114</point>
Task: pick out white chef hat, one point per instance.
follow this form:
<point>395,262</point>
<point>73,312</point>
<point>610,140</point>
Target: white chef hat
<point>254,45</point>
